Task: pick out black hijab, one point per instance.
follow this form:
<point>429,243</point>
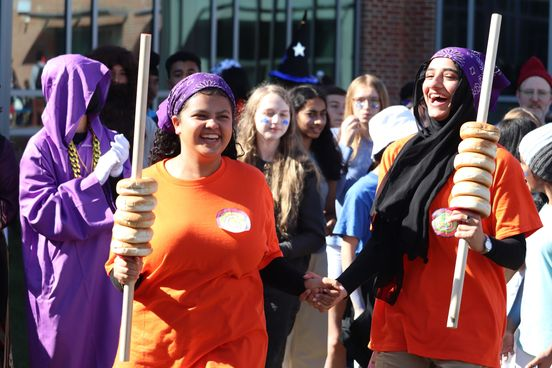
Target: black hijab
<point>402,220</point>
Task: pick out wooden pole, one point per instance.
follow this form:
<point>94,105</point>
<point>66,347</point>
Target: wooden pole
<point>137,161</point>
<point>482,114</point>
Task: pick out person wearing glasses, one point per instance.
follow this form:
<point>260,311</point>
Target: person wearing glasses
<point>534,88</point>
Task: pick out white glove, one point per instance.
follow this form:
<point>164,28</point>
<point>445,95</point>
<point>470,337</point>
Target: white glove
<point>121,147</point>
<point>105,165</point>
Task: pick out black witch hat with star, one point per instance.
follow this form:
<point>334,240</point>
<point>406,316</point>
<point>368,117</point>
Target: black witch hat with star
<point>294,66</point>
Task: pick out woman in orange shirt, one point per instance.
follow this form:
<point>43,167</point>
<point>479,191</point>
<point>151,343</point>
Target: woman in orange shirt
<point>414,267</point>
<point>199,302</point>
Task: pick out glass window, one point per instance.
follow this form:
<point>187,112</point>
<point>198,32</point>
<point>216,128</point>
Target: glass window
<point>523,33</point>
<point>225,32</point>
<point>454,32</point>
<point>185,25</point>
<point>81,28</point>
<point>262,36</point>
<point>347,50</point>
<point>121,25</point>
<point>38,34</point>
<point>323,40</point>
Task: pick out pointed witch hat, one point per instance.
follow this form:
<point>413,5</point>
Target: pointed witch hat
<point>294,66</point>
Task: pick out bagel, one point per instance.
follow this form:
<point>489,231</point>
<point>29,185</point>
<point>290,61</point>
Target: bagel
<point>473,174</point>
<point>131,235</point>
<point>471,188</point>
<point>478,145</point>
<point>136,186</point>
<point>136,203</point>
<point>472,159</point>
<point>139,220</point>
<point>126,249</point>
<point>472,203</point>
<point>474,129</point>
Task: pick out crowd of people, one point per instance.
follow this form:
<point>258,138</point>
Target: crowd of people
<point>293,219</point>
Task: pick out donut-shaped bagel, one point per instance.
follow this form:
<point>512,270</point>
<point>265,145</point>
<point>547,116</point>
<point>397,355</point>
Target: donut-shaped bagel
<point>473,174</point>
<point>478,145</point>
<point>140,220</point>
<point>474,129</point>
<point>135,186</point>
<point>472,159</point>
<point>136,203</point>
<point>471,203</point>
<point>130,235</point>
<point>471,188</point>
<point>128,249</point>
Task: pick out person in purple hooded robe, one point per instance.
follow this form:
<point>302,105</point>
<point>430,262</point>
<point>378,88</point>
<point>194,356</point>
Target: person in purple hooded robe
<point>66,209</point>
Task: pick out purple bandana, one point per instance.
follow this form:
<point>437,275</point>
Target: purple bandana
<point>185,89</point>
<point>472,64</point>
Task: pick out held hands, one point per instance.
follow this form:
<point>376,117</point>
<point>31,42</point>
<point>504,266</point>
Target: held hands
<point>349,128</point>
<point>321,292</point>
<point>127,269</point>
<point>111,162</point>
<point>469,228</point>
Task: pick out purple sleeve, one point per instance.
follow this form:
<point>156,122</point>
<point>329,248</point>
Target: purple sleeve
<point>72,210</point>
<point>9,174</point>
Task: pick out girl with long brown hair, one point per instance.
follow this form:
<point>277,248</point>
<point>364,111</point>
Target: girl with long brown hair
<point>269,141</point>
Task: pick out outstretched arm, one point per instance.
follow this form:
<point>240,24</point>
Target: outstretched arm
<point>544,359</point>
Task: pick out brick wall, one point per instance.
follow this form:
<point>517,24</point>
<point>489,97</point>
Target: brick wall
<point>397,36</point>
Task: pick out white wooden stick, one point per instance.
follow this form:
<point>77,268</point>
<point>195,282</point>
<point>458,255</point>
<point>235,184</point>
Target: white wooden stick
<point>141,105</point>
<point>137,162</point>
<point>457,283</point>
<point>482,114</point>
<point>488,71</point>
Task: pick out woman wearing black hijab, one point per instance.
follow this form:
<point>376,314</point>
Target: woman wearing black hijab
<point>412,265</point>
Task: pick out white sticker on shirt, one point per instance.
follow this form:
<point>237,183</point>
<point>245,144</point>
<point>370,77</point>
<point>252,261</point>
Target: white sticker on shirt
<point>233,220</point>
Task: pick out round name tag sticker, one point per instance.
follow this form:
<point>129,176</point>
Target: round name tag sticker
<point>233,220</point>
<point>441,224</point>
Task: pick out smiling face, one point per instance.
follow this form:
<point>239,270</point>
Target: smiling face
<point>204,126</point>
<point>441,81</point>
<point>311,119</point>
<point>271,117</point>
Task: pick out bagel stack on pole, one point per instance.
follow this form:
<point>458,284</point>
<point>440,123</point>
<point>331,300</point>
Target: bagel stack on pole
<point>474,164</point>
<point>135,203</point>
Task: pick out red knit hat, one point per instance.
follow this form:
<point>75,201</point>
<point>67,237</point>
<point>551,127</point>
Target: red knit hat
<point>533,68</point>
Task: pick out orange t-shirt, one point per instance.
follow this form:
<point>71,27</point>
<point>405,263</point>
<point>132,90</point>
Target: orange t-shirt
<point>201,300</point>
<point>417,322</point>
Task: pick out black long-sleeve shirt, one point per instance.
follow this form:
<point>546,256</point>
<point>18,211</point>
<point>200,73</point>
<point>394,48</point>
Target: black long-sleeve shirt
<point>9,183</point>
<point>308,236</point>
<point>509,252</point>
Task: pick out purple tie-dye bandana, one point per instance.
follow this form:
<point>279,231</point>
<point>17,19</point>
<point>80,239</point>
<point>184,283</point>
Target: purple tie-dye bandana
<point>472,63</point>
<point>185,89</point>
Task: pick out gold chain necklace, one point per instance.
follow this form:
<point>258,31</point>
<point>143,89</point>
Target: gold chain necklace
<point>75,159</point>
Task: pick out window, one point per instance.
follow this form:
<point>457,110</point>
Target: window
<point>524,32</point>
